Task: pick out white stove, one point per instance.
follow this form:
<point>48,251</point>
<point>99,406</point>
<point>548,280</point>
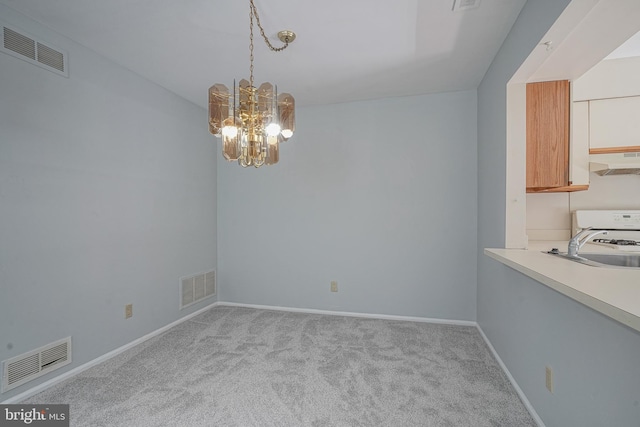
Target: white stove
<point>623,227</point>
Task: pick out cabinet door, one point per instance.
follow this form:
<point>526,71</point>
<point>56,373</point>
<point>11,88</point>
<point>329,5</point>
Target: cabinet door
<point>548,134</point>
<point>614,124</point>
<point>579,144</point>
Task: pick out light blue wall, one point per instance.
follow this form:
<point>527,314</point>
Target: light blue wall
<point>107,197</point>
<point>594,359</point>
<point>379,196</point>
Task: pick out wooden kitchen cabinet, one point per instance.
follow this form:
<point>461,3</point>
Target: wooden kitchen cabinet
<point>548,138</point>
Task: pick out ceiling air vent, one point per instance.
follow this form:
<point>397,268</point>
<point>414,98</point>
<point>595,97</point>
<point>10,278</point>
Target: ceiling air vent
<point>28,366</point>
<point>21,45</point>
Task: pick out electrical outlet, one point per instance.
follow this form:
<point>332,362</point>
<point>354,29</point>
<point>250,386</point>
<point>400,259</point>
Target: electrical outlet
<point>549,379</point>
<point>128,311</point>
<point>334,286</point>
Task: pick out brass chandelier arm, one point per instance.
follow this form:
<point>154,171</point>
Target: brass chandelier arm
<point>285,36</point>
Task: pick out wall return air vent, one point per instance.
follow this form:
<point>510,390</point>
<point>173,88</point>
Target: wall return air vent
<point>196,288</point>
<point>33,364</point>
<point>460,5</point>
<point>17,43</point>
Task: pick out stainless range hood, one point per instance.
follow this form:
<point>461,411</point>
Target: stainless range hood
<point>615,164</point>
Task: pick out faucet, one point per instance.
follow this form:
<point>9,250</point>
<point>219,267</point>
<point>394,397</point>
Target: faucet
<point>582,237</point>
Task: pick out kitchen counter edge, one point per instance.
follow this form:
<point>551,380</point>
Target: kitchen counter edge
<point>613,292</point>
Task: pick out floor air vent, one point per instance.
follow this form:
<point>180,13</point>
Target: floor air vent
<point>17,43</point>
<point>196,288</point>
<point>28,366</point>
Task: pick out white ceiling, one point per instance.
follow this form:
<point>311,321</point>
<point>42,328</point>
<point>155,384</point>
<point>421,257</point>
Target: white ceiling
<point>628,49</point>
<point>344,51</point>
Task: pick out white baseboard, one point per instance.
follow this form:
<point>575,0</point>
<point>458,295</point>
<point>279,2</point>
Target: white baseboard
<point>512,380</point>
<point>350,314</point>
<point>75,371</point>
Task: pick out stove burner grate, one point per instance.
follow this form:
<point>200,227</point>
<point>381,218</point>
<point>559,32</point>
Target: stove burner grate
<point>620,242</point>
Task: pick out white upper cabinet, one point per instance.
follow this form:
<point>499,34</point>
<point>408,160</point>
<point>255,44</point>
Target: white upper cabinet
<point>614,123</point>
<point>611,92</point>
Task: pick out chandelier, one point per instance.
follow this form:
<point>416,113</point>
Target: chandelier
<point>252,122</point>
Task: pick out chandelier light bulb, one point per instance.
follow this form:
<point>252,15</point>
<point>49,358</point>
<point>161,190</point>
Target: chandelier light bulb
<point>230,131</point>
<point>287,133</point>
<point>272,129</point>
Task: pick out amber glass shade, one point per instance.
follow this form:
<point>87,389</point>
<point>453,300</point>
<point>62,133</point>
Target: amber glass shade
<point>266,101</point>
<point>232,134</point>
<point>273,150</point>
<point>218,107</point>
<point>286,115</point>
<point>245,97</point>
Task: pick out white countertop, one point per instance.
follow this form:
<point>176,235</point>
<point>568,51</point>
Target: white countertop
<point>614,292</point>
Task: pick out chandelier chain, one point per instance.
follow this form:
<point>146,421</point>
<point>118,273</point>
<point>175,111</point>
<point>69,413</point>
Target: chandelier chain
<point>251,13</point>
<point>254,12</point>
